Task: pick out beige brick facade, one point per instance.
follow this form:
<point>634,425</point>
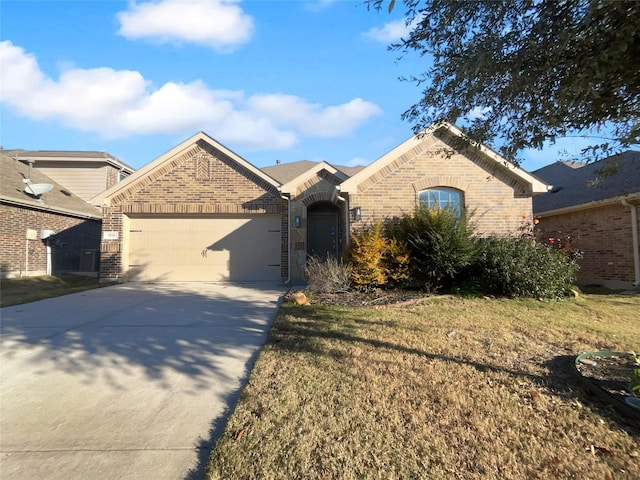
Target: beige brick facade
<point>201,180</point>
<point>498,201</point>
<point>201,177</point>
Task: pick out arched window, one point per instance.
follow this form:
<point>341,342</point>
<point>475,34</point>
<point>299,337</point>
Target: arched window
<point>442,197</point>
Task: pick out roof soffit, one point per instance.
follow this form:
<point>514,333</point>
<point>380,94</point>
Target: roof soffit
<point>426,139</point>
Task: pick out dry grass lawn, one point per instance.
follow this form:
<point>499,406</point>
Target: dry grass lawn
<point>447,388</point>
<point>16,291</point>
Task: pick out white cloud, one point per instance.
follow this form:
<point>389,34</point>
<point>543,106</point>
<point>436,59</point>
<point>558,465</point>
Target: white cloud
<point>220,24</point>
<point>311,118</point>
<point>357,162</point>
<point>564,148</point>
<point>318,5</point>
<point>389,32</point>
<point>122,103</point>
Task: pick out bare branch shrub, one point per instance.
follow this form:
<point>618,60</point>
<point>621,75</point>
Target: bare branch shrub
<point>328,275</point>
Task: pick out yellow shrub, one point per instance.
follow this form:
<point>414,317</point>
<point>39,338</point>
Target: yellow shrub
<point>366,254</point>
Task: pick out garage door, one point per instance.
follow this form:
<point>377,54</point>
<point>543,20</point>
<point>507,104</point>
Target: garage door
<point>205,249</point>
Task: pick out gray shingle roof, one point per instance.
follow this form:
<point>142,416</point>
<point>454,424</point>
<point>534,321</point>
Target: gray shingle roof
<point>57,200</point>
<point>576,183</point>
<point>286,172</point>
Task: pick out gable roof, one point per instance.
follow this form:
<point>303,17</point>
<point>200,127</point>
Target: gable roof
<point>291,185</point>
<point>156,164</point>
<point>285,172</point>
<point>535,184</point>
<point>57,200</point>
<point>70,156</point>
<point>577,183</point>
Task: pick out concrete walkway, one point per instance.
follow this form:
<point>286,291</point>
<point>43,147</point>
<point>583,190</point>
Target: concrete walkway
<point>132,381</point>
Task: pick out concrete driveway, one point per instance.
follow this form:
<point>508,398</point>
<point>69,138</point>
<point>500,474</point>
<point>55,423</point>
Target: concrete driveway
<point>132,381</point>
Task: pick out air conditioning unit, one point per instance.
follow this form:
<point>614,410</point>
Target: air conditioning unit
<point>89,260</point>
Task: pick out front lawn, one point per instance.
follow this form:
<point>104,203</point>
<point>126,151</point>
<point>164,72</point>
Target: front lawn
<point>444,388</point>
<point>16,291</point>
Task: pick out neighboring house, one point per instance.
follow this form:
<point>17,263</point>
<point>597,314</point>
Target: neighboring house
<point>200,212</point>
<point>86,174</point>
<point>55,232</point>
<point>594,207</point>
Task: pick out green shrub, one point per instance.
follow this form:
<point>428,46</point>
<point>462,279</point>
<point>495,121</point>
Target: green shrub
<point>328,275</point>
<point>519,267</point>
<point>366,254</point>
<point>440,242</point>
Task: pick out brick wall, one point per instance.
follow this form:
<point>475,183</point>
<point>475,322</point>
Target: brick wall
<point>604,235</point>
<point>113,175</point>
<point>22,257</point>
<point>319,189</point>
<point>202,180</point>
<point>497,198</point>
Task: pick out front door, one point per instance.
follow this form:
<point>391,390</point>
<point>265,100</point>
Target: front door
<point>322,231</point>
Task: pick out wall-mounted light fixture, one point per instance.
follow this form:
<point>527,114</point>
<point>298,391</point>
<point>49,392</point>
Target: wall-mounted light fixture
<point>356,214</point>
<point>296,221</point>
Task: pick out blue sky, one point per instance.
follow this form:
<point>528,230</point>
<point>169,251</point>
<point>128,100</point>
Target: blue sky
<point>271,80</point>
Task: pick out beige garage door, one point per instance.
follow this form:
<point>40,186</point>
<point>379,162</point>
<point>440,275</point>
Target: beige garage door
<point>205,249</point>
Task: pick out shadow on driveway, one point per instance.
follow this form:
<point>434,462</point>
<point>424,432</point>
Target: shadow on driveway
<point>145,368</point>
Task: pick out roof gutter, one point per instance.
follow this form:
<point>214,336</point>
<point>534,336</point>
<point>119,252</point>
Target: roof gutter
<point>634,232</point>
<point>585,206</point>
<point>44,208</point>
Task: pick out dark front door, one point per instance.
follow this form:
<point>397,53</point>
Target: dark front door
<point>322,232</point>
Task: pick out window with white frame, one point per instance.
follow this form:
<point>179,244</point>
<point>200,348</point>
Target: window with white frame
<point>441,197</point>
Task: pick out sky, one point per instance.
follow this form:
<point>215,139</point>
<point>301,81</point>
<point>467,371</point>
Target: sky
<point>270,80</point>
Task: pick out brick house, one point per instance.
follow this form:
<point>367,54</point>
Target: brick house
<point>594,207</point>
<point>201,212</point>
<point>55,232</point>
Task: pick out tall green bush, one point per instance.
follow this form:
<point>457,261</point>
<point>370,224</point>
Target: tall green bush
<point>440,243</point>
<point>519,267</point>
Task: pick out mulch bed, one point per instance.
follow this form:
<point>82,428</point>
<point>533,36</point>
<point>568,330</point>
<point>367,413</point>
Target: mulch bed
<point>610,374</point>
<point>373,298</point>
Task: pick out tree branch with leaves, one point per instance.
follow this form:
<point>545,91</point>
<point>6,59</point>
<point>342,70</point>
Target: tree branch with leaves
<point>537,70</point>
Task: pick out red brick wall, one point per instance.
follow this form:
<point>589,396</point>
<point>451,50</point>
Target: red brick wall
<point>498,200</point>
<point>72,236</point>
<point>202,180</point>
<point>605,237</point>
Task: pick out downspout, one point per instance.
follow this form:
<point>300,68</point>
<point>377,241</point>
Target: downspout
<point>48,257</point>
<point>634,235</point>
<point>347,237</point>
<point>288,199</point>
<point>26,259</point>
